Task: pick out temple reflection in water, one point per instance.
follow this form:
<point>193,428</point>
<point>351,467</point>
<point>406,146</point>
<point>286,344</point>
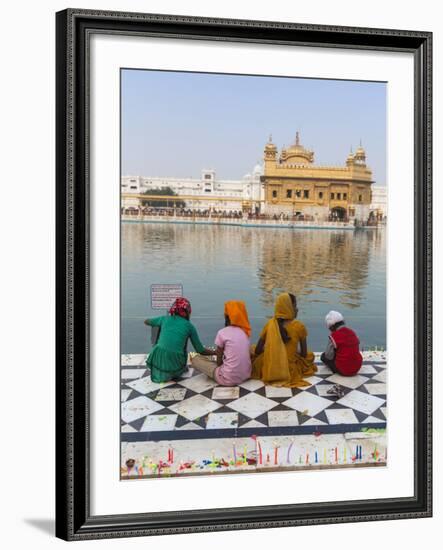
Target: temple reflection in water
<point>315,261</point>
<point>325,269</point>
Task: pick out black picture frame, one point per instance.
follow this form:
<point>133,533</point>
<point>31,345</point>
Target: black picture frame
<point>74,27</point>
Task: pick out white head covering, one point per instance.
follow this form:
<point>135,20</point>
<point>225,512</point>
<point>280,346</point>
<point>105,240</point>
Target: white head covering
<point>333,317</point>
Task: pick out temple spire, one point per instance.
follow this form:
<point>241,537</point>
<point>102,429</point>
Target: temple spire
<point>297,138</point>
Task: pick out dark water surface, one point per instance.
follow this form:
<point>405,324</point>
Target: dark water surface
<point>326,269</point>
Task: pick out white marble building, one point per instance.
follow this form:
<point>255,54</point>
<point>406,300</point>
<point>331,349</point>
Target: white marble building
<point>379,200</point>
<point>201,194</point>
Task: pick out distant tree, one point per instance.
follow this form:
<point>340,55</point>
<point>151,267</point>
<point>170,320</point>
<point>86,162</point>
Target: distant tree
<point>162,203</point>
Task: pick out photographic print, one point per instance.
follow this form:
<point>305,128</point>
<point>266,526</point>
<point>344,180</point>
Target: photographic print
<point>243,251</point>
<point>253,274</point>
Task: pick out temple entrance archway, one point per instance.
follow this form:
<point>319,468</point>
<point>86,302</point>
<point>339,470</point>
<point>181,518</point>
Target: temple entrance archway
<point>338,214</point>
<point>375,215</point>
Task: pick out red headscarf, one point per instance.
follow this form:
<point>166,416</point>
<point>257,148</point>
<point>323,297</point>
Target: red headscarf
<point>181,307</point>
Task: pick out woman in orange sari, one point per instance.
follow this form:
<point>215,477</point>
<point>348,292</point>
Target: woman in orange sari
<point>281,356</point>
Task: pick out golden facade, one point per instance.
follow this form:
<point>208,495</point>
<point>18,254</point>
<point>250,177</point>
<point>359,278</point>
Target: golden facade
<point>293,184</point>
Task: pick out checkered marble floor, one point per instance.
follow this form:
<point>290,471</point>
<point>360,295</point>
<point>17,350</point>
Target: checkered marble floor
<point>196,407</point>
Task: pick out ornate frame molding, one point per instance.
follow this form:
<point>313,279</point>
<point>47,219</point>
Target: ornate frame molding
<point>74,29</point>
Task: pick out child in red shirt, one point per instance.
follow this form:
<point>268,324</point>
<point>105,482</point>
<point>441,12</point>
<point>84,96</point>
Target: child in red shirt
<point>342,354</point>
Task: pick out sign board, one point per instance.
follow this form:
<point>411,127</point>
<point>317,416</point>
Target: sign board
<point>163,296</point>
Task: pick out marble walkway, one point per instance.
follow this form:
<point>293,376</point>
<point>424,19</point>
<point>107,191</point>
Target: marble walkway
<point>195,407</point>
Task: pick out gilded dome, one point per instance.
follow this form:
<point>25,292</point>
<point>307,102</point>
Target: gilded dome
<point>270,146</point>
<point>360,155</point>
<point>270,151</point>
<point>296,153</point>
<point>350,158</point>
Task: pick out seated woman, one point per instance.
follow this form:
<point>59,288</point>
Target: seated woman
<point>342,354</point>
<point>168,357</point>
<point>233,364</point>
<point>281,357</point>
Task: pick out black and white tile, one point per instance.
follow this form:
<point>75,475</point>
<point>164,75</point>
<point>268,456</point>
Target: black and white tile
<point>196,406</point>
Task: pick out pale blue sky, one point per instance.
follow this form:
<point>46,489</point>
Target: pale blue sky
<point>176,124</point>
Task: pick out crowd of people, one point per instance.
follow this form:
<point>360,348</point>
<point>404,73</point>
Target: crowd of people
<point>183,212</point>
<point>214,213</point>
<point>281,356</point>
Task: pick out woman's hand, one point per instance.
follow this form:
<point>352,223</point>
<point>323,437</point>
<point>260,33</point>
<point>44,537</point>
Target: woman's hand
<point>260,347</point>
<point>146,322</point>
<point>219,359</point>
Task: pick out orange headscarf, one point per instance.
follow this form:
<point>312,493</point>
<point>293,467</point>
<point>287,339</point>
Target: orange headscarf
<point>238,316</point>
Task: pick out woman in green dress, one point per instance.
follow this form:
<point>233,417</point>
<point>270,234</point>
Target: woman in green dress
<point>167,359</point>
